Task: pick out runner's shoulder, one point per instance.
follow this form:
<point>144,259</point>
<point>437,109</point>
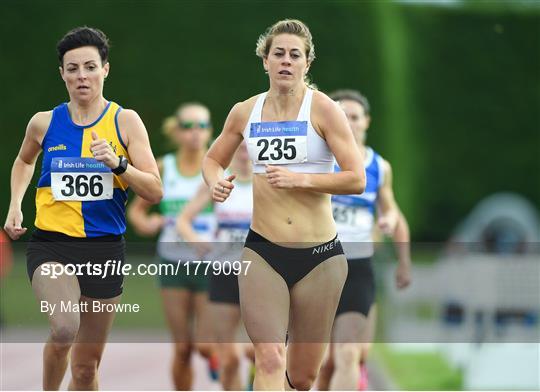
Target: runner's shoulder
<point>244,108</point>
<point>38,125</point>
<point>323,103</point>
<point>325,113</point>
<point>240,112</point>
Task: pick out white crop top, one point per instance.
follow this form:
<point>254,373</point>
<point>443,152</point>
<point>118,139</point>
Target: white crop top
<point>292,143</point>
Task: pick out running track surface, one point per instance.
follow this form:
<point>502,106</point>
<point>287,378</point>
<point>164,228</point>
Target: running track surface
<point>125,366</point>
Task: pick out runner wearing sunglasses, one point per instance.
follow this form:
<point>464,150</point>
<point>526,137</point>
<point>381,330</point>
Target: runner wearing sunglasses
<point>184,295</point>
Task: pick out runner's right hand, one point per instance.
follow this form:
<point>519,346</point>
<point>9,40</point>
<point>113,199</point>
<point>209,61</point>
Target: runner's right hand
<point>201,248</point>
<point>152,224</point>
<point>403,275</point>
<point>223,188</point>
<point>13,226</point>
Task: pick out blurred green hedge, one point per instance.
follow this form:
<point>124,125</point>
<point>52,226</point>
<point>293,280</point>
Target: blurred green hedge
<point>455,91</point>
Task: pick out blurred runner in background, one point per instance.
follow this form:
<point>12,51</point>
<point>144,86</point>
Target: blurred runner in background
<point>233,221</point>
<point>354,327</point>
<point>184,295</point>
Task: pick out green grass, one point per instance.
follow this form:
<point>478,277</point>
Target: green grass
<point>419,371</point>
<point>18,306</point>
<point>20,309</point>
<point>142,290</point>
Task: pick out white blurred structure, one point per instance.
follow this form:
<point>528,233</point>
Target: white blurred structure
<point>480,302</point>
<point>501,223</point>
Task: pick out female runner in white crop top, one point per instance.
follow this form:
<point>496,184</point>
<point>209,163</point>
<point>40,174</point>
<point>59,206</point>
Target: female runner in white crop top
<point>297,269</point>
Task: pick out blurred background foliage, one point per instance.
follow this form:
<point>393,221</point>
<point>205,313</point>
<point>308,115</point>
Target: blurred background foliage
<point>454,86</point>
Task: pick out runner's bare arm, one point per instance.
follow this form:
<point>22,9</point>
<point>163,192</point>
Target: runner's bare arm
<point>331,120</point>
<point>220,154</point>
<point>145,223</point>
<point>143,174</point>
<point>387,208</point>
<point>23,171</point>
<point>190,211</point>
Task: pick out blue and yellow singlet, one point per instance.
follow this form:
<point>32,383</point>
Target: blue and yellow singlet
<point>76,194</point>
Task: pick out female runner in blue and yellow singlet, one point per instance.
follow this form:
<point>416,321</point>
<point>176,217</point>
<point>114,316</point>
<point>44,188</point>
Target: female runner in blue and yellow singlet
<point>93,150</point>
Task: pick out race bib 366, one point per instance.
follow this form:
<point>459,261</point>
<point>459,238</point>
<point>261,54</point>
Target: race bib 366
<point>80,179</point>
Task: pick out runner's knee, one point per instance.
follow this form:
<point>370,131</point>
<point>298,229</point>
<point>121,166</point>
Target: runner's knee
<point>84,373</point>
<point>205,349</point>
<point>328,365</point>
<point>65,331</point>
<point>182,351</point>
<point>302,381</point>
<point>270,357</point>
<point>231,360</point>
<point>347,354</point>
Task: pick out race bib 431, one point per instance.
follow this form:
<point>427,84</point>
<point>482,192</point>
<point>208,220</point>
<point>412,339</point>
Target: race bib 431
<point>278,142</point>
<point>80,179</point>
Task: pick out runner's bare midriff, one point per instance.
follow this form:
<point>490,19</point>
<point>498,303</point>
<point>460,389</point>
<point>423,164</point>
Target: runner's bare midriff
<point>291,217</point>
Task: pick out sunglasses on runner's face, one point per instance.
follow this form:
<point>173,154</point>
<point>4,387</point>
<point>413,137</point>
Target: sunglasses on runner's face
<point>188,125</point>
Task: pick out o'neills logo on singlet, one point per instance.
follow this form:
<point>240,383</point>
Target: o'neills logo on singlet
<point>325,247</point>
<point>60,147</point>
